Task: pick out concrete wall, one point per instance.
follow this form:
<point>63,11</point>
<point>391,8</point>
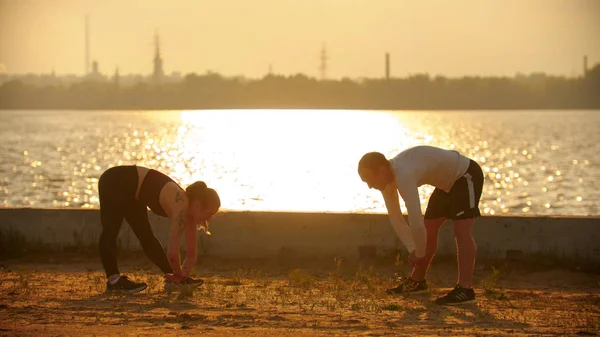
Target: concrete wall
<point>276,234</point>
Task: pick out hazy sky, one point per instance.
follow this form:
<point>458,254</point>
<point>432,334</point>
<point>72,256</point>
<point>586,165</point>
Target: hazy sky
<point>242,37</point>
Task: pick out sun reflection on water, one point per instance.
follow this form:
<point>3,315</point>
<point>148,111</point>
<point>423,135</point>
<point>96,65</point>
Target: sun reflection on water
<point>290,160</point>
<point>301,160</point>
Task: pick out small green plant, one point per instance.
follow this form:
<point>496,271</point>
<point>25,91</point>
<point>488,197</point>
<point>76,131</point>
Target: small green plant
<point>153,284</point>
<point>281,295</point>
<point>99,282</point>
<point>22,282</point>
<point>368,278</point>
<point>399,261</point>
<point>300,278</point>
<point>489,284</point>
<point>236,279</point>
<point>254,274</point>
<point>491,290</point>
<point>185,292</point>
<point>364,275</point>
<point>163,300</point>
<point>208,287</point>
<point>392,307</point>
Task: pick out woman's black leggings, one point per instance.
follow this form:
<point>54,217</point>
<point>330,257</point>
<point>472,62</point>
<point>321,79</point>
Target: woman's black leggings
<point>116,188</point>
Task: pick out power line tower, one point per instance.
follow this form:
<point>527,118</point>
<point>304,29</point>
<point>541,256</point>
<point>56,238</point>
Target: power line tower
<point>323,64</point>
<point>387,66</point>
<point>87,44</point>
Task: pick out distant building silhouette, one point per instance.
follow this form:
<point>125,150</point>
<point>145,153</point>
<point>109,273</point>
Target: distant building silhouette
<point>95,70</point>
<point>116,77</point>
<point>585,66</point>
<point>94,75</point>
<point>159,73</point>
<point>176,76</point>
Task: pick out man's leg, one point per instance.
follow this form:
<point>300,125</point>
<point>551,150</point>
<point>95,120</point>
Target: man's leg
<point>466,250</point>
<point>433,227</point>
<point>465,195</point>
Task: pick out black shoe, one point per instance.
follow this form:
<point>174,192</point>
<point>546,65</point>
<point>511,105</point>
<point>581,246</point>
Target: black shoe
<point>193,282</point>
<point>456,296</point>
<point>407,285</point>
<point>125,285</point>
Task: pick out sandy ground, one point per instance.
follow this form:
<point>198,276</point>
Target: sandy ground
<point>242,298</point>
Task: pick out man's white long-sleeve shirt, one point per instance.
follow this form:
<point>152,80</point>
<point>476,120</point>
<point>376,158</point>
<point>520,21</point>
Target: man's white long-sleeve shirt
<point>412,168</point>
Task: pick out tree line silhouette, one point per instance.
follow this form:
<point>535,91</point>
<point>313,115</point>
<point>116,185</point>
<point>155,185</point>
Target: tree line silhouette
<point>213,91</point>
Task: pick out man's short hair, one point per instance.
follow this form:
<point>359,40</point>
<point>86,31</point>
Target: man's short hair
<point>372,161</point>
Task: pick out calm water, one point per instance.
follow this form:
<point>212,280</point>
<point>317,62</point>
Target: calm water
<point>535,162</point>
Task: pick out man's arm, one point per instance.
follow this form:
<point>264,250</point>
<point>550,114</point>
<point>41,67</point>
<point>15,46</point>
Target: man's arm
<point>410,194</point>
<point>392,203</point>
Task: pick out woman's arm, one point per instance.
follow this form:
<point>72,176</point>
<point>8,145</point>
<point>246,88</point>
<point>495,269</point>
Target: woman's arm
<point>191,248</point>
<point>178,224</point>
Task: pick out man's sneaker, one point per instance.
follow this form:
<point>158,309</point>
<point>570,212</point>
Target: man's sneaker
<point>125,285</point>
<point>407,285</point>
<point>456,296</point>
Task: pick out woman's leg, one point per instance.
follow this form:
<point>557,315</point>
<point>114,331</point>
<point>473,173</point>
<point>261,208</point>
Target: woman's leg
<point>111,217</point>
<point>137,217</point>
<point>116,189</point>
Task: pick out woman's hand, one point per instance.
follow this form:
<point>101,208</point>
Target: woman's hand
<point>191,248</point>
<point>178,224</point>
<point>175,278</point>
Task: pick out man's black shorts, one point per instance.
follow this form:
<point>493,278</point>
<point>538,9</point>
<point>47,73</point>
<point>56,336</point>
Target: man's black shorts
<point>462,202</point>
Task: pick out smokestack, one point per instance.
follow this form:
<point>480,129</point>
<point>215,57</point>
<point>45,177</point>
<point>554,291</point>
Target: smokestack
<point>585,69</point>
<point>387,66</point>
<point>87,44</point>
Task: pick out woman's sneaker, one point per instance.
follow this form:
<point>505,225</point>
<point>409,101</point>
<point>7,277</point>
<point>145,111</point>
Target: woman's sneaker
<point>407,285</point>
<point>125,285</point>
<point>456,296</point>
<point>193,282</point>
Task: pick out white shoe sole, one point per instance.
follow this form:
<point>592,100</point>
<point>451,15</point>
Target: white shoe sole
<point>128,291</point>
<point>460,303</point>
<point>175,286</point>
<point>410,292</point>
<point>136,290</point>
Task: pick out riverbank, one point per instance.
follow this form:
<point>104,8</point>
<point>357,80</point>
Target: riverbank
<point>240,298</point>
<point>282,235</point>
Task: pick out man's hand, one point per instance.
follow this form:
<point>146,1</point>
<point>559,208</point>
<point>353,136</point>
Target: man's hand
<point>415,261</point>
